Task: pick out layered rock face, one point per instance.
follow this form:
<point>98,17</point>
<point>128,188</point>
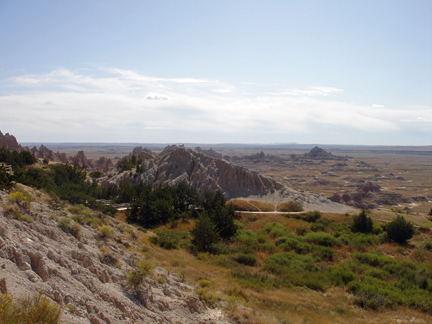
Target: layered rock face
<point>206,173</point>
<point>9,142</point>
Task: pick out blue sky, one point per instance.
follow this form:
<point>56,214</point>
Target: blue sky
<point>330,72</point>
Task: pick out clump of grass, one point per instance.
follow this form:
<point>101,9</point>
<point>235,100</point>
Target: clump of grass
<point>32,309</point>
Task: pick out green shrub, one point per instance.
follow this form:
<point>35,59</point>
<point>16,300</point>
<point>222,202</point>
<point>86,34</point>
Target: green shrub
<point>399,230</point>
<point>268,246</point>
<point>246,237</point>
<point>317,227</point>
<point>322,238</point>
<point>341,276</point>
<point>311,216</point>
<point>276,229</point>
<point>286,262</point>
<point>323,253</point>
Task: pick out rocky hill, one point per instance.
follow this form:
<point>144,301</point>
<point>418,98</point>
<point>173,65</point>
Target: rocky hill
<point>43,250</point>
<point>318,153</point>
<point>207,173</point>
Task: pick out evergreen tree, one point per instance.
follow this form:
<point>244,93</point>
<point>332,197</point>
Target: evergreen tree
<point>204,234</point>
<point>399,230</point>
<point>362,223</point>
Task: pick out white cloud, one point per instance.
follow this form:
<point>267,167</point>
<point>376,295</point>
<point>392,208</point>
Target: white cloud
<point>128,106</point>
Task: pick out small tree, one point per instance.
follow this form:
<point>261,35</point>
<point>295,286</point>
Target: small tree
<point>362,223</point>
<point>399,230</point>
<point>204,234</point>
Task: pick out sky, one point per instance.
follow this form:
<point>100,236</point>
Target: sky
<point>216,71</point>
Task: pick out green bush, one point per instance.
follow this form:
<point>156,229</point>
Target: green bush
<point>246,237</point>
<point>399,230</point>
<point>323,253</point>
<point>276,229</point>
<point>341,275</point>
<point>322,238</point>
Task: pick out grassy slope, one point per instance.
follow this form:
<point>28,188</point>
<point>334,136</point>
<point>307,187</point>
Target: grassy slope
<point>287,305</point>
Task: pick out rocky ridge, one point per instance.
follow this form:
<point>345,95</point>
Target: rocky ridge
<point>86,274</point>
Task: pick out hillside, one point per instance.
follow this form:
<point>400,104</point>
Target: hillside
<point>83,268</point>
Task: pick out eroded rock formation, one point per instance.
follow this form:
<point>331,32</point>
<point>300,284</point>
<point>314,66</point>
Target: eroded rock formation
<point>9,142</point>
